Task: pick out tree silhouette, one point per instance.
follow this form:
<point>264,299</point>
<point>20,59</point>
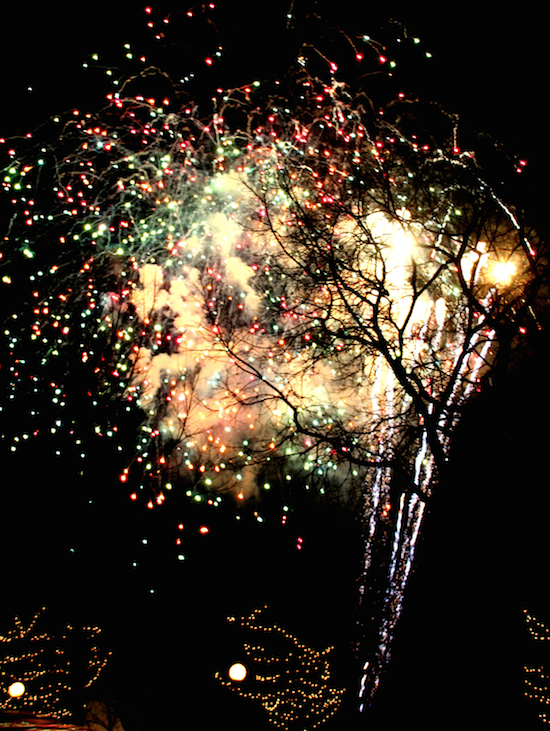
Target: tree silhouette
<point>399,282</point>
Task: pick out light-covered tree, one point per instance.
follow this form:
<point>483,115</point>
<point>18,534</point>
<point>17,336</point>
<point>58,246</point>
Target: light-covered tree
<point>290,680</point>
<point>41,671</point>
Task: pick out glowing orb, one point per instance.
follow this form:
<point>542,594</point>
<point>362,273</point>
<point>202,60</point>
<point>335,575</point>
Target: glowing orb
<point>503,272</point>
<point>237,671</point>
<point>16,690</point>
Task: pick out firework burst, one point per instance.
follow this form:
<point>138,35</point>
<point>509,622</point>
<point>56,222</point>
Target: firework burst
<point>291,281</point>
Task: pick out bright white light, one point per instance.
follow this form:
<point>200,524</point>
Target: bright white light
<point>503,272</point>
<point>237,671</point>
<point>16,690</point>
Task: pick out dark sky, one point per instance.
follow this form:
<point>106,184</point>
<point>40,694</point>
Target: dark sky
<point>489,66</point>
<point>458,656</point>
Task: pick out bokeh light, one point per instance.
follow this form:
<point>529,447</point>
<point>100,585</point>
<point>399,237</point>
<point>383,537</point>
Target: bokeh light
<point>237,671</point>
<point>16,689</point>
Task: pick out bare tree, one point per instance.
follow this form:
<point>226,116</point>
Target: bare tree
<point>299,279</point>
<point>399,280</point>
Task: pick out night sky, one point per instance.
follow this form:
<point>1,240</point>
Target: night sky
<point>69,543</point>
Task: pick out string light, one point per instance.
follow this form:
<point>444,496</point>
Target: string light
<point>536,680</point>
<point>36,674</point>
<point>290,680</point>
